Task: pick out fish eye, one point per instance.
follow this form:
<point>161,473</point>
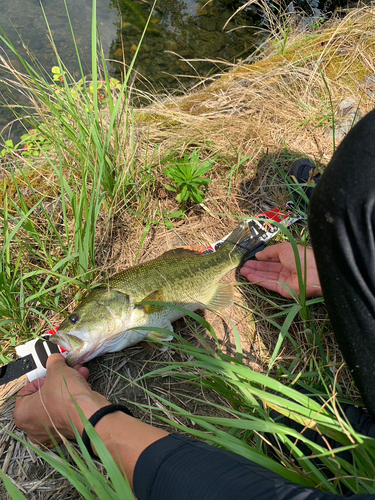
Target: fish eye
<point>74,318</point>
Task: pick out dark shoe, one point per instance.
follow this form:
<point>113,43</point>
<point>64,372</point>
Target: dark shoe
<point>303,172</point>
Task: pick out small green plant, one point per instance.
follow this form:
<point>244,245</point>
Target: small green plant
<point>33,142</point>
<point>80,89</point>
<point>8,148</point>
<point>314,25</point>
<point>187,176</point>
<point>180,214</point>
<point>57,74</point>
<point>285,32</point>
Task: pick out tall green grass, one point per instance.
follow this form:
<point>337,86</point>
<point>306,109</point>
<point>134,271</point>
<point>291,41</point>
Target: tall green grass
<point>85,474</point>
<point>82,166</point>
<point>82,169</point>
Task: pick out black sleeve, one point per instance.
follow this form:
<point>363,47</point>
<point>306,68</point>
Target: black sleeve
<point>178,468</point>
<point>342,228</point>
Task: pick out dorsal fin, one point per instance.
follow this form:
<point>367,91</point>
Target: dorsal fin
<point>181,251</point>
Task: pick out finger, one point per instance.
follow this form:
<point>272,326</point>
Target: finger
<point>84,372</point>
<point>268,284</point>
<point>57,367</point>
<point>255,276</point>
<point>271,252</point>
<point>269,266</point>
<point>32,387</point>
<point>55,361</point>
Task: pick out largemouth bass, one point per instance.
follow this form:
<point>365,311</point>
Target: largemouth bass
<point>108,319</point>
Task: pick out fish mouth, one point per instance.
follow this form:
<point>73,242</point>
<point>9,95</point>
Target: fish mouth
<point>67,341</point>
<point>76,348</point>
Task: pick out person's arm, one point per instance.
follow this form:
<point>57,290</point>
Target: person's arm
<point>43,408</point>
<point>277,263</point>
<point>178,468</point>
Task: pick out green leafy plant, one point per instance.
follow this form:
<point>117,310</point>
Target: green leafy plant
<point>8,148</point>
<point>180,214</point>
<point>57,75</point>
<point>187,176</point>
<point>33,142</point>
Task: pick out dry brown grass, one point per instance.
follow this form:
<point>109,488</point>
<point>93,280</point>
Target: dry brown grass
<point>276,97</point>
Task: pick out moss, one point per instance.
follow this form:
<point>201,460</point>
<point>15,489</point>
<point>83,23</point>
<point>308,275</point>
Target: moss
<point>26,184</point>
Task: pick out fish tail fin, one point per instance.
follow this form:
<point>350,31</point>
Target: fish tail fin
<point>244,242</point>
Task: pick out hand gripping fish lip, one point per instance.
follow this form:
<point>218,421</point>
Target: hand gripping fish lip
<point>78,351</point>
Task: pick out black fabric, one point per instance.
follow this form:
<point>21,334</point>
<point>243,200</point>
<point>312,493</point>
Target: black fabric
<point>341,224</point>
<point>341,221</point>
<point>178,468</point>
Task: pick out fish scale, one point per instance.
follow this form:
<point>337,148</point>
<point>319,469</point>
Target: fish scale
<point>183,279</point>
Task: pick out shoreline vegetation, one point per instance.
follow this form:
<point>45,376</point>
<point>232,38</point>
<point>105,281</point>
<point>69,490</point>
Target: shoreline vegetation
<point>91,190</point>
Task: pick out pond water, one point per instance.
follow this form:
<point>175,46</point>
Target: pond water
<point>191,29</point>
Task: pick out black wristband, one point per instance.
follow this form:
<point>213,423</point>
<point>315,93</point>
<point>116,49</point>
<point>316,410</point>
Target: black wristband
<point>94,419</point>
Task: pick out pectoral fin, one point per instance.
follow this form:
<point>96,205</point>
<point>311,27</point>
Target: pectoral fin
<point>223,297</point>
<point>156,296</point>
<point>160,337</point>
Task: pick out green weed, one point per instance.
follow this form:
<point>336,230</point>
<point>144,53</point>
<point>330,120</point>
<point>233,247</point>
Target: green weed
<point>186,175</point>
<point>262,418</point>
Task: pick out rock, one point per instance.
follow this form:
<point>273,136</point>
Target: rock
<point>346,107</point>
<point>348,113</point>
<point>369,86</point>
<point>202,11</point>
<point>36,44</point>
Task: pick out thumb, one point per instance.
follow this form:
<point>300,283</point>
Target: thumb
<point>269,253</point>
<point>276,253</point>
<point>55,360</point>
<point>55,365</point>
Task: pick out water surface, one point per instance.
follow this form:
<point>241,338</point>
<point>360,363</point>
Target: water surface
<point>191,29</point>
<point>185,39</point>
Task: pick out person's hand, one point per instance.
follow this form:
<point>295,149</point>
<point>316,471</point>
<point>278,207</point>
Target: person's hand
<point>44,406</point>
<point>277,263</point>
